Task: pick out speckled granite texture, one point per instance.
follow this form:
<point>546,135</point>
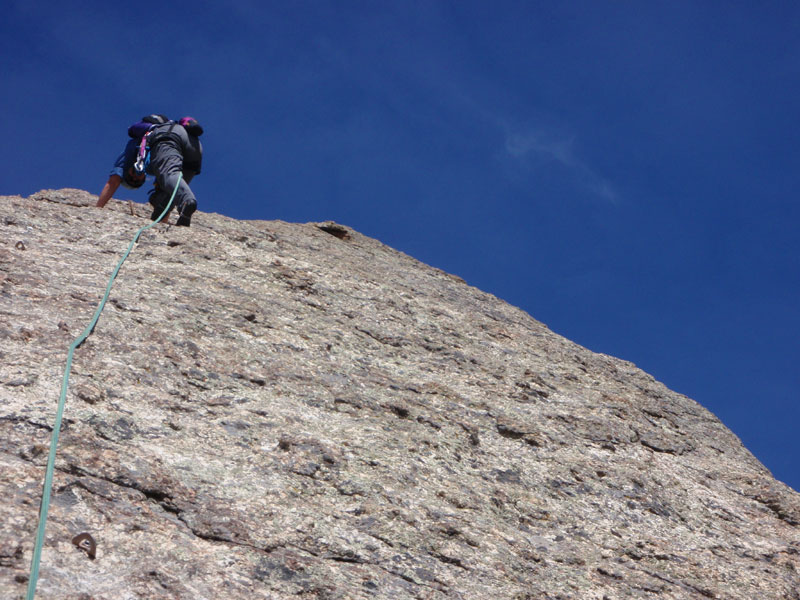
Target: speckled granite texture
<point>270,410</point>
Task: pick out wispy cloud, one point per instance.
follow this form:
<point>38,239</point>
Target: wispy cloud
<point>521,144</point>
<point>523,141</point>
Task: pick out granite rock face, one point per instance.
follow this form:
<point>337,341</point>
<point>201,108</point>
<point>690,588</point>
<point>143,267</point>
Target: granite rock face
<point>270,410</point>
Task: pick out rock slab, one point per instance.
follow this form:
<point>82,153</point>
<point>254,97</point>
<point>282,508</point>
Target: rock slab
<point>272,410</point>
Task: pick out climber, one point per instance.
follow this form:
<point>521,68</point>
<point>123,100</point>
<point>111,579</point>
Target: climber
<point>171,148</point>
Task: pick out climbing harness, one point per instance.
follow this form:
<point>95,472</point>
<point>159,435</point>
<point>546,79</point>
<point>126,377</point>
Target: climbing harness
<point>51,459</point>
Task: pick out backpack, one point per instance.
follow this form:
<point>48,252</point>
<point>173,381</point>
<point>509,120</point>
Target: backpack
<point>191,126</point>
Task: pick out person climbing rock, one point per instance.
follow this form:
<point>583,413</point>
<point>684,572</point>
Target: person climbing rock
<point>124,171</point>
<point>172,148</point>
<point>175,148</point>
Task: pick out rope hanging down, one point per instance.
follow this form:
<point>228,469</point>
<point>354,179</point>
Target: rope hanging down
<point>51,459</point>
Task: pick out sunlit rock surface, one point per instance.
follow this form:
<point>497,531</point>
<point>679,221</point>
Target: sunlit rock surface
<point>270,410</point>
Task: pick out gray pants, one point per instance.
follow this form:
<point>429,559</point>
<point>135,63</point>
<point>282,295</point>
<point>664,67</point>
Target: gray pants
<point>166,162</point>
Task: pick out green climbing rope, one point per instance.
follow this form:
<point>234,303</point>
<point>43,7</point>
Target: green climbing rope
<point>48,477</point>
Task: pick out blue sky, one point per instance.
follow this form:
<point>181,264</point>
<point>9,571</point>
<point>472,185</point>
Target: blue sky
<point>626,172</point>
